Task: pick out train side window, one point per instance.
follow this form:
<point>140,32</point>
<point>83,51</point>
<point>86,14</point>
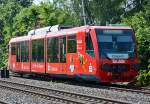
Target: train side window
<point>13,49</point>
<point>38,50</point>
<point>22,51</point>
<point>62,46</point>
<point>53,50</point>
<point>72,44</point>
<point>25,51</point>
<point>89,45</point>
<point>18,52</point>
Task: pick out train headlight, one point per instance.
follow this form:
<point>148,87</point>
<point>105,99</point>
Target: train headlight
<point>106,67</point>
<point>135,66</point>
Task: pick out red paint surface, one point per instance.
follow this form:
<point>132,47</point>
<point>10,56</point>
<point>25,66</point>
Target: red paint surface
<point>90,65</point>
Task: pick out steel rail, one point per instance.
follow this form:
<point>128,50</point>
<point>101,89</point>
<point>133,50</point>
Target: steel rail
<point>3,102</point>
<point>74,97</point>
<point>138,90</point>
<point>48,97</point>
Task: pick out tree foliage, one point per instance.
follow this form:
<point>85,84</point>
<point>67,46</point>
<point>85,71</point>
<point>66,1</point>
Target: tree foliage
<point>142,30</point>
<point>140,22</point>
<point>99,12</point>
<point>102,12</point>
<point>19,16</point>
<point>143,79</point>
<point>39,16</point>
<point>9,9</point>
<point>134,6</point>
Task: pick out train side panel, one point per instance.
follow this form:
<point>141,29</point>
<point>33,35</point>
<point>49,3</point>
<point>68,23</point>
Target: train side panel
<point>56,55</point>
<point>86,56</point>
<point>19,57</point>
<point>38,55</point>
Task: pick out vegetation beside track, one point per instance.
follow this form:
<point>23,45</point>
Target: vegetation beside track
<point>141,25</point>
<point>143,79</point>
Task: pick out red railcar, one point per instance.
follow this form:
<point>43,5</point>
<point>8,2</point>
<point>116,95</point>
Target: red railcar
<point>98,53</point>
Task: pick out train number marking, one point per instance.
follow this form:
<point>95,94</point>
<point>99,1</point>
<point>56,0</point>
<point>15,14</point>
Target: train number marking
<point>50,68</point>
<point>118,61</point>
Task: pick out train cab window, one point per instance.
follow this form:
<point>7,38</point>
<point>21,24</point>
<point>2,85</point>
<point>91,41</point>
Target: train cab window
<point>18,52</point>
<point>72,44</point>
<point>62,46</point>
<point>25,51</point>
<point>53,50</point>
<point>13,49</point>
<point>89,45</point>
<point>38,50</point>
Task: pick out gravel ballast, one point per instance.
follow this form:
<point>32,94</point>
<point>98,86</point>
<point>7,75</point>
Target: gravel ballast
<point>102,92</point>
<point>19,98</point>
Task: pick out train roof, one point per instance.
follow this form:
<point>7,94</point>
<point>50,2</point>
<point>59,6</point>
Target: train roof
<point>112,27</point>
<point>18,39</point>
<point>65,32</point>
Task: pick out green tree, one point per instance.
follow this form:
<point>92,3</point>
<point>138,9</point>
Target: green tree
<point>25,20</point>
<point>134,6</point>
<point>25,3</point>
<point>142,30</point>
<point>41,15</point>
<point>9,9</point>
<point>99,12</point>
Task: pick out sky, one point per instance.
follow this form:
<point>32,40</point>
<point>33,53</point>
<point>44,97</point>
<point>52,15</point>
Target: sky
<point>38,1</point>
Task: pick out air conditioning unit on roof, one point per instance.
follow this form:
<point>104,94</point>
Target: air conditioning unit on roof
<point>47,29</point>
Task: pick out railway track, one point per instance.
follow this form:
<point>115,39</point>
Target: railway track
<point>59,96</point>
<point>143,90</point>
<point>136,90</point>
<point>3,102</point>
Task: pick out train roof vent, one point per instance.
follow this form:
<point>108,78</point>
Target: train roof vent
<point>47,29</point>
<point>40,31</point>
<point>56,28</point>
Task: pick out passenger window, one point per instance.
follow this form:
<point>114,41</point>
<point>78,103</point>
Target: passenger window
<point>18,52</point>
<point>13,49</point>
<point>53,50</point>
<point>72,44</point>
<point>89,45</point>
<point>62,45</point>
<point>25,51</point>
<point>38,50</point>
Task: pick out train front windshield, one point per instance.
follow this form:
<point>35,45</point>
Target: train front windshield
<point>115,42</point>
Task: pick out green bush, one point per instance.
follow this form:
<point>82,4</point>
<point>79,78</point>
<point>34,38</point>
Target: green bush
<point>142,31</point>
<point>143,79</point>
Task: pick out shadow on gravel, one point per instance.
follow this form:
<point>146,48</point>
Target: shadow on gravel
<point>72,81</point>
